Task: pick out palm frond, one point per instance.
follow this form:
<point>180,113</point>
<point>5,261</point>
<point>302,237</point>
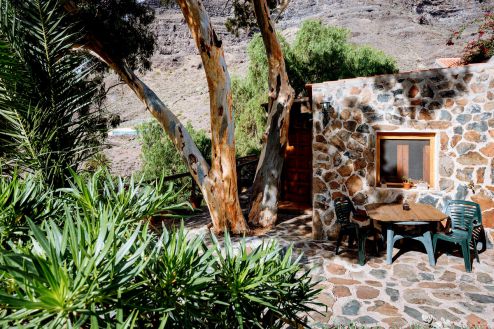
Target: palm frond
<point>49,122</point>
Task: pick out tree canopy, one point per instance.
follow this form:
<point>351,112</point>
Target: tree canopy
<point>122,27</point>
<point>319,53</point>
<point>243,18</point>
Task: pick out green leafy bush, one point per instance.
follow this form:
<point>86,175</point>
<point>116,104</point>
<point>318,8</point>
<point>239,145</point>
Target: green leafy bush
<point>323,53</point>
<point>260,288</point>
<point>21,199</point>
<point>177,282</point>
<point>223,286</point>
<point>159,155</point>
<point>161,158</point>
<point>101,271</point>
<point>319,53</point>
<point>250,118</point>
<point>75,275</point>
<point>132,200</point>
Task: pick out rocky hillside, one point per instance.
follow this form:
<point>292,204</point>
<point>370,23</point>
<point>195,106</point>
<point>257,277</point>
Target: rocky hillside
<point>413,31</point>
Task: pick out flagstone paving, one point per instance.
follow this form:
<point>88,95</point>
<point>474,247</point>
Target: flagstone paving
<point>405,293</point>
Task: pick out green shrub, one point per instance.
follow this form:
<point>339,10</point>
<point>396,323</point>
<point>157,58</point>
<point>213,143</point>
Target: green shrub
<point>28,197</point>
<point>260,288</point>
<point>177,282</point>
<point>250,118</point>
<point>93,262</point>
<point>105,272</point>
<point>323,53</point>
<point>319,53</point>
<point>159,155</point>
<point>132,200</point>
<point>21,199</point>
<point>74,276</point>
<point>161,158</point>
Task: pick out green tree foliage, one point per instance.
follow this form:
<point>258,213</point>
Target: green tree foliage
<point>319,53</point>
<point>159,155</point>
<point>323,53</point>
<point>121,27</point>
<point>161,158</point>
<point>243,16</point>
<point>48,123</point>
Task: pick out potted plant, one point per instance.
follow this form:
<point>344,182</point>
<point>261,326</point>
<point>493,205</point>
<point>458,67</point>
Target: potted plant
<point>407,182</point>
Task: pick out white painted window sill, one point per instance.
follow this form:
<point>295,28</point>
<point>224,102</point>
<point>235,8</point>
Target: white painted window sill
<point>413,189</point>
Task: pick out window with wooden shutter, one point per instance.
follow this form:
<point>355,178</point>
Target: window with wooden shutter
<point>405,155</point>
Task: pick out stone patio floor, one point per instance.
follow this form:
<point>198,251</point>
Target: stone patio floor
<point>406,293</point>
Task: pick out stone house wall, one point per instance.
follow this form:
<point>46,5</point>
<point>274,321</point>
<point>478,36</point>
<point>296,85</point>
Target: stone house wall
<point>457,104</point>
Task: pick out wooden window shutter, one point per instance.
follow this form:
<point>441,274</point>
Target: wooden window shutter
<point>402,160</point>
<point>426,164</point>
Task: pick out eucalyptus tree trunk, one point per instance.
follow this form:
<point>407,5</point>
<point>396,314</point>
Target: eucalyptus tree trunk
<point>222,177</point>
<point>218,183</point>
<point>265,190</point>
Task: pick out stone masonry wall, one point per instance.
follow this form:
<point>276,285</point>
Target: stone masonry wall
<point>457,104</point>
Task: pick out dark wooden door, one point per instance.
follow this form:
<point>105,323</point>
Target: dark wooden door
<point>296,189</point>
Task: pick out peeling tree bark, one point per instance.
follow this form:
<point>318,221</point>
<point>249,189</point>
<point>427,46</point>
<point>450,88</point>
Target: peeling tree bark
<point>218,183</point>
<point>265,190</point>
<point>222,177</point>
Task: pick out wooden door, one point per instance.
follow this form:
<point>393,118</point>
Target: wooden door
<point>296,189</point>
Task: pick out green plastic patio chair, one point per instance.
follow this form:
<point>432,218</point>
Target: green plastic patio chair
<point>343,208</point>
<point>479,239</point>
<point>464,215</point>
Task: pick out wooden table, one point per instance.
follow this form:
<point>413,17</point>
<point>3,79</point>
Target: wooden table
<point>392,214</point>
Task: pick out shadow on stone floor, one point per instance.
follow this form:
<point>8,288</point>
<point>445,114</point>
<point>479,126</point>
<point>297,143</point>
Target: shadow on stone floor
<point>399,295</point>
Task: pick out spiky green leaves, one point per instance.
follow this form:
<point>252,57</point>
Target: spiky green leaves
<point>87,258</point>
<point>75,274</point>
<point>46,93</point>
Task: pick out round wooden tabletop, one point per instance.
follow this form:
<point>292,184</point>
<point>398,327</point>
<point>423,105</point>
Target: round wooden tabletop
<point>393,212</point>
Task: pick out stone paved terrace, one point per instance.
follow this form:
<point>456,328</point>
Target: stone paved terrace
<point>390,296</point>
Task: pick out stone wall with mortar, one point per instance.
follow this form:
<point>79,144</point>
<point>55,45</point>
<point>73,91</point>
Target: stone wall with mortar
<point>457,104</point>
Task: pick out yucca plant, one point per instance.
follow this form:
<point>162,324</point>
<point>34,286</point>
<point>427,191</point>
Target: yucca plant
<point>95,263</point>
<point>101,271</point>
<point>261,288</point>
<point>223,286</point>
<point>135,200</point>
<point>75,276</point>
<point>21,199</point>
<point>48,122</point>
<point>177,282</point>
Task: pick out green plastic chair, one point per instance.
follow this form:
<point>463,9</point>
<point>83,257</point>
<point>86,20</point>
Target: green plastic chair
<point>464,215</point>
<point>343,208</point>
<point>478,235</point>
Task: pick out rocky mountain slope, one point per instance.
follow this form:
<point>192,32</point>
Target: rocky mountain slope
<point>412,31</point>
